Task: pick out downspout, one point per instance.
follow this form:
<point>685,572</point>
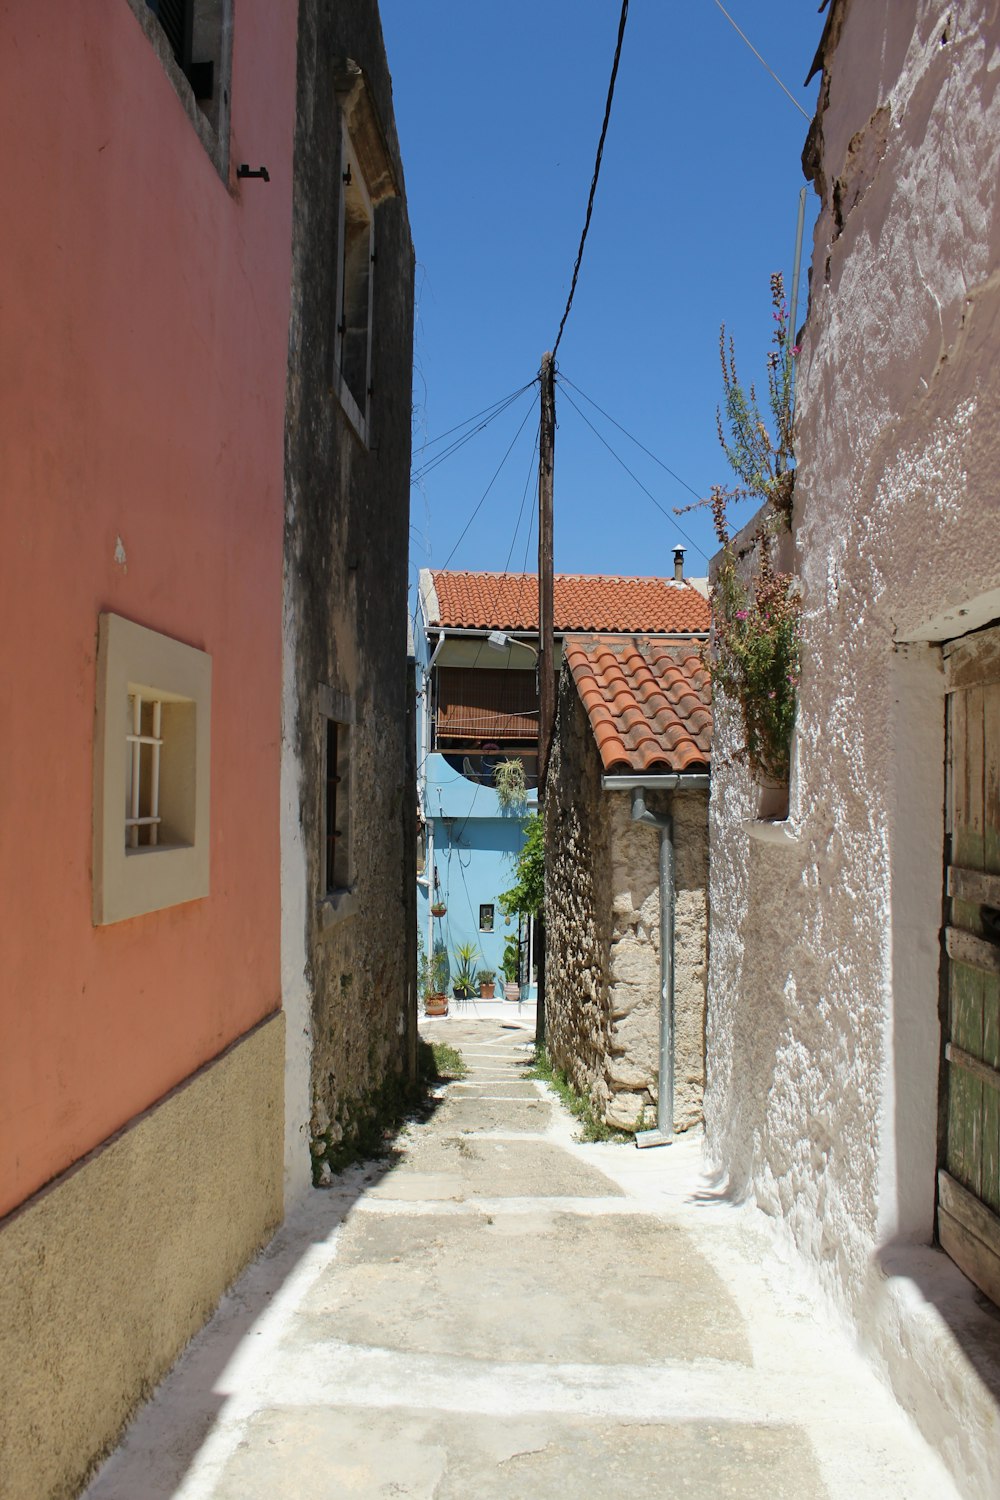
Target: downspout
<point>427,808</point>
<point>664,1132</point>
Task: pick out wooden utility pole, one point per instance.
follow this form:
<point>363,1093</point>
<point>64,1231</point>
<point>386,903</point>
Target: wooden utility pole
<point>546,634</point>
<point>546,642</point>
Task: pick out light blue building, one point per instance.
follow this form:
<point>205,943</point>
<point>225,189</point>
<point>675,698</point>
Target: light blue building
<point>475,644</point>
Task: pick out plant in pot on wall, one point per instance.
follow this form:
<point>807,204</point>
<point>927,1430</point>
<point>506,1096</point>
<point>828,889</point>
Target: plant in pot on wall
<point>510,784</point>
<point>511,966</point>
<point>756,609</point>
<point>464,981</point>
<point>486,980</point>
<point>438,909</point>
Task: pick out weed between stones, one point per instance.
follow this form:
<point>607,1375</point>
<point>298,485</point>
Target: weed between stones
<point>592,1127</point>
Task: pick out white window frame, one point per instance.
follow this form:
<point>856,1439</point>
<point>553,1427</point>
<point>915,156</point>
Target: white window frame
<point>132,878</point>
<point>350,166</point>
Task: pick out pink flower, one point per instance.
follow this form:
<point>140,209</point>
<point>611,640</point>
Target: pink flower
<point>741,614</point>
<point>796,348</point>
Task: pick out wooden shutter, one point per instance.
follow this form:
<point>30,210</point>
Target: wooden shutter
<point>969,1183</point>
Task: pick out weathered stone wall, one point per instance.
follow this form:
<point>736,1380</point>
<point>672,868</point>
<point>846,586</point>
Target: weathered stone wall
<point>348,981</point>
<point>632,1070</point>
<point>824,1035</point>
<point>578,902</point>
<point>603,934</point>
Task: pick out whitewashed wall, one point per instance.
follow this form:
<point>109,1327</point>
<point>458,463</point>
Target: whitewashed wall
<point>823,1031</point>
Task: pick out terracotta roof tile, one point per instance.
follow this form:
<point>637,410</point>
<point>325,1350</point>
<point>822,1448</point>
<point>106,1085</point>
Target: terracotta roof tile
<point>592,602</point>
<point>649,702</point>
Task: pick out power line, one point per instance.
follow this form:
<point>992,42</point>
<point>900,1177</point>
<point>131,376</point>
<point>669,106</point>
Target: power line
<point>524,497</point>
<point>439,458</point>
<point>482,499</point>
<point>597,173</point>
<point>457,428</point>
<point>672,519</point>
<point>630,435</point>
<point>760,59</point>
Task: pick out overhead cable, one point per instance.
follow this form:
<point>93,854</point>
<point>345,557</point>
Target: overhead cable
<point>761,60</point>
<point>672,519</point>
<point>597,173</point>
<point>565,380</point>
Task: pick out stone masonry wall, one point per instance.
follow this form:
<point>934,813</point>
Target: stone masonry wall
<point>348,974</point>
<point>603,934</point>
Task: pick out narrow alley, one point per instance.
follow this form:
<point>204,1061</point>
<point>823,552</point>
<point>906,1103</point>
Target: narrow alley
<point>499,1311</point>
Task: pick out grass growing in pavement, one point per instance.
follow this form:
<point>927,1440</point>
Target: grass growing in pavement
<point>439,1061</point>
<point>592,1127</point>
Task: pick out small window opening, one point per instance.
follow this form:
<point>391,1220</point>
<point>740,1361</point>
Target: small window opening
<point>337,808</point>
<point>197,32</point>
<point>486,918</point>
<point>333,833</point>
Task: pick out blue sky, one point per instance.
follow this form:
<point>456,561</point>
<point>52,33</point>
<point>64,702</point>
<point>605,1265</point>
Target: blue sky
<point>498,108</point>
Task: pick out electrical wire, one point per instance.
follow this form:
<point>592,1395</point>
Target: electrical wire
<point>565,380</point>
<point>597,173</point>
<point>482,500</point>
<point>672,519</point>
<point>431,442</point>
<point>761,60</point>
<point>432,463</point>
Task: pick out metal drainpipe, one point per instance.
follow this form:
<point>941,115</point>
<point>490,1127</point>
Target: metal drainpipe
<point>664,1132</point>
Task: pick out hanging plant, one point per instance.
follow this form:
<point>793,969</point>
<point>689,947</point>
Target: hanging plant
<point>438,909</point>
<point>509,780</point>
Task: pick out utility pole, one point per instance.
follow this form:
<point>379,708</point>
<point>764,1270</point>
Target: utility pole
<point>546,637</point>
<point>546,643</point>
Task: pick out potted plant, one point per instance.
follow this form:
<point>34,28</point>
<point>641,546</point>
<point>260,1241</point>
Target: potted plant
<point>435,977</point>
<point>511,964</point>
<point>438,908</point>
<point>487,985</point>
<point>464,982</point>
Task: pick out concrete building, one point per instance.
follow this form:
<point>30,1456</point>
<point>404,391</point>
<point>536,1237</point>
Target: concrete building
<point>479,706</point>
<point>626,902</point>
<point>153,492</point>
<point>853,1022</point>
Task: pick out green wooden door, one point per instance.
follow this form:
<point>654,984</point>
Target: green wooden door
<point>969,1182</point>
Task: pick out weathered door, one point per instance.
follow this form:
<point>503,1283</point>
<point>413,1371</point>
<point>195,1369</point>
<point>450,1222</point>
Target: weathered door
<point>969,1183</point>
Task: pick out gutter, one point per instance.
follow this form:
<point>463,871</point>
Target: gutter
<point>676,781</point>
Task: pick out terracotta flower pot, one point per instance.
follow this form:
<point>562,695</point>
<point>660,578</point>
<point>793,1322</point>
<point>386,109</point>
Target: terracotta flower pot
<point>512,990</point>
<point>435,1005</point>
<point>438,909</point>
<point>486,991</point>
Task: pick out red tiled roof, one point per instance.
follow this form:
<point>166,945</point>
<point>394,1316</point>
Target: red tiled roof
<point>649,703</point>
<point>509,601</point>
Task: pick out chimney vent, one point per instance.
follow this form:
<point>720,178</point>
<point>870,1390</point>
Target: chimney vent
<point>679,564</point>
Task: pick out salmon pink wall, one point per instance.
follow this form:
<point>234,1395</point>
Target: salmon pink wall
<point>143,345</point>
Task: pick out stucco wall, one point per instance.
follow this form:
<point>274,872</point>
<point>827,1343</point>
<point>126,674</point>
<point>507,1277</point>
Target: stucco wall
<point>823,1001</point>
<point>603,934</point>
<point>142,383</point>
<point>106,1274</point>
<point>350,989</point>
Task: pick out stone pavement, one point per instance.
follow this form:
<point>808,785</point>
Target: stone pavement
<point>501,1313</point>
